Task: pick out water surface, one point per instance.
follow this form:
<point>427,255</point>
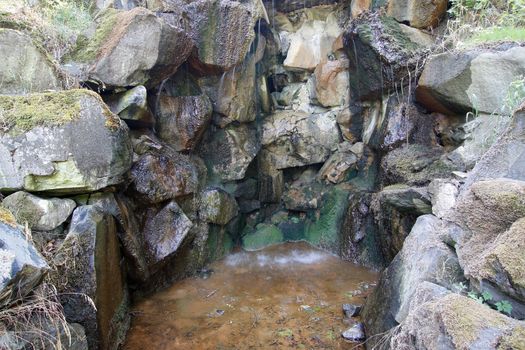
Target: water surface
<point>287,296</point>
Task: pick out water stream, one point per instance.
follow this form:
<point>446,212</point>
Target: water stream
<point>287,296</point>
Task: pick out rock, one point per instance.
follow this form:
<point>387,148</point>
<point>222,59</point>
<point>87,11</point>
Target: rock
<point>217,207</point>
<point>222,31</point>
<point>39,213</point>
<point>164,232</point>
<point>117,4</point>
<point>355,334</point>
<point>332,82</point>
<point>160,176</point>
<point>249,205</point>
<point>131,106</point>
<point>359,6</point>
<point>293,5</point>
<point>49,140</point>
<point>416,165</point>
<point>264,236</point>
<point>21,265</point>
<point>407,199</point>
<point>233,94</point>
<point>350,124</point>
<point>457,322</point>
<point>424,257</point>
<point>459,82</point>
<point>228,152</point>
<point>182,120</point>
<point>271,180</point>
<point>351,310</point>
<point>337,167</point>
<point>443,195</point>
<point>246,189</point>
<point>379,67</point>
<point>131,48</point>
<point>89,274</point>
<point>311,43</point>
<point>25,68</point>
<point>303,198</point>
<point>293,139</point>
<point>418,14</point>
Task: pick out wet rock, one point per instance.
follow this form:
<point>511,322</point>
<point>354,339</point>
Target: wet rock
<point>182,120</point>
<point>331,82</point>
<point>443,195</point>
<point>21,265</point>
<point>459,82</point>
<point>294,139</point>
<point>25,68</point>
<point>350,123</point>
<point>271,180</point>
<point>292,5</point>
<point>303,198</point>
<point>39,213</point>
<point>418,14</point>
<point>228,152</point>
<point>249,205</point>
<point>457,322</point>
<point>407,199</point>
<point>424,257</point>
<point>52,150</point>
<point>355,334</point>
<point>222,31</point>
<point>359,6</point>
<point>264,236</point>
<point>338,166</point>
<point>311,43</point>
<point>131,48</point>
<point>351,310</point>
<point>217,207</point>
<point>131,106</point>
<point>379,67</point>
<point>89,277</point>
<point>164,175</point>
<point>164,232</point>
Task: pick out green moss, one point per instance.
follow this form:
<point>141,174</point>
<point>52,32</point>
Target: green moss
<point>264,236</point>
<point>7,217</point>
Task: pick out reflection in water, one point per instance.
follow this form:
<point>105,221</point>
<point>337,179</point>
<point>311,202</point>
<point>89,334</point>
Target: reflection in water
<point>285,297</point>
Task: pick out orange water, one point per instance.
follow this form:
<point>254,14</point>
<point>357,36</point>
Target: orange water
<point>284,297</point>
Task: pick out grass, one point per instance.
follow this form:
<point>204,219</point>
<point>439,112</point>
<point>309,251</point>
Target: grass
<point>496,34</point>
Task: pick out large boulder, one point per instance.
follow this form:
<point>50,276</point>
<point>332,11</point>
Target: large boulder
<point>228,152</point>
<point>164,232</point>
<point>25,67</point>
<point>418,14</point>
<point>223,32</point>
<point>424,257</point>
<point>378,67</point>
<point>294,139</point>
<point>459,82</point>
<point>89,278</point>
<point>130,48</point>
<point>22,268</point>
<point>452,322</point>
<point>40,214</point>
<point>48,141</point>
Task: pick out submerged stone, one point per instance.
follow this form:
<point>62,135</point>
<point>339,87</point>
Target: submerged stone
<point>264,236</point>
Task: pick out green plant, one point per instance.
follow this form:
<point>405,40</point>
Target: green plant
<point>504,307</point>
<point>515,94</point>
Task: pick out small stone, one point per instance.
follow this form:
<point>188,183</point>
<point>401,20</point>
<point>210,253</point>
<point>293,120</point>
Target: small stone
<point>351,310</point>
<point>355,333</point>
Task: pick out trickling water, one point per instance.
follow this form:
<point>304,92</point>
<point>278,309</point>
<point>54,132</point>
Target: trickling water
<point>284,297</point>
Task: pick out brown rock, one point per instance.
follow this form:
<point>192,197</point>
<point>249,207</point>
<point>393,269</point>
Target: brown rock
<point>332,82</point>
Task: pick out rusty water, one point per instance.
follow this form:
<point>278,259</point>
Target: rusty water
<point>284,297</point>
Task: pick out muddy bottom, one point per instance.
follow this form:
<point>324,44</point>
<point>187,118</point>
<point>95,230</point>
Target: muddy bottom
<point>284,297</point>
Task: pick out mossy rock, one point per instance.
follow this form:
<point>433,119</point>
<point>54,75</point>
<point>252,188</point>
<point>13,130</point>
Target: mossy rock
<point>264,236</point>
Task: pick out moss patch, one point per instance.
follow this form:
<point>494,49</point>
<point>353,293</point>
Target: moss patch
<point>515,341</point>
<point>7,217</point>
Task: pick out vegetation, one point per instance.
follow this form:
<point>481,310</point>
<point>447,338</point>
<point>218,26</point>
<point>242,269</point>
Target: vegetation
<point>485,297</point>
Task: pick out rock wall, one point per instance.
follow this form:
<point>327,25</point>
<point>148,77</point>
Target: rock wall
<point>209,124</point>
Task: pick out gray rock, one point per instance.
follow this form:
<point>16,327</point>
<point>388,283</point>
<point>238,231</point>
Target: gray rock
<point>131,106</point>
<point>419,14</point>
<point>459,82</point>
<point>355,334</point>
<point>351,310</point>
<point>52,150</point>
<point>164,232</point>
<point>22,268</point>
<point>41,214</point>
<point>337,167</point>
<point>89,277</point>
<point>443,195</point>
<point>25,68</point>
<point>217,207</point>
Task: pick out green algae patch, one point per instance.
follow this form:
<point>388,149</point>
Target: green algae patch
<point>264,236</point>
<point>7,217</point>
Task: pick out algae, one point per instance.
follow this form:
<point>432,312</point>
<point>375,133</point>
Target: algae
<point>265,235</point>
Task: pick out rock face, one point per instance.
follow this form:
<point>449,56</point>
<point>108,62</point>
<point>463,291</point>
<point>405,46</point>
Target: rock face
<point>49,141</point>
<point>39,213</point>
<point>132,48</point>
<point>217,207</point>
<point>294,139</point>
<point>89,271</point>
<point>461,82</point>
<point>222,31</point>
<point>25,68</point>
<point>21,265</point>
<point>131,105</point>
<point>418,14</point>
<point>331,83</point>
<point>164,232</point>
